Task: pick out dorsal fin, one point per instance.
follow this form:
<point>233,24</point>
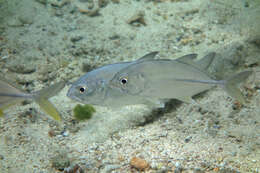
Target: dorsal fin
<point>149,56</point>
<point>187,58</point>
<point>202,64</point>
<point>206,61</point>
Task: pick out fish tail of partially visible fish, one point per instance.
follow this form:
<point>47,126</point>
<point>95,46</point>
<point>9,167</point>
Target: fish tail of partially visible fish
<point>41,98</point>
<point>10,95</point>
<point>230,85</point>
<point>48,108</point>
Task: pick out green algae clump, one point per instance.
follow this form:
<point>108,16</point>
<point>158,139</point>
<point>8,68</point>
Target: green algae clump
<point>83,112</point>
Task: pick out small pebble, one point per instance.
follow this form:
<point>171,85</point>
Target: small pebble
<point>187,139</point>
<point>65,134</point>
<point>76,38</point>
<point>60,161</point>
<point>139,163</point>
<point>137,19</point>
<point>109,168</point>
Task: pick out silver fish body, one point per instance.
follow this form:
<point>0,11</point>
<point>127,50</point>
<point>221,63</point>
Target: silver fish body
<point>167,79</point>
<point>94,88</point>
<point>156,79</point>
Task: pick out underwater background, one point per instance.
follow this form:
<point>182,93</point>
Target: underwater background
<point>45,41</point>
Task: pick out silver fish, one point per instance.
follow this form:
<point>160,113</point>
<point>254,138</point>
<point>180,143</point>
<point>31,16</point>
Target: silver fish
<point>93,88</point>
<point>166,79</point>
<point>10,95</point>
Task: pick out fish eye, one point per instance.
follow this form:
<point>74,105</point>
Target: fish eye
<point>123,81</point>
<point>82,89</point>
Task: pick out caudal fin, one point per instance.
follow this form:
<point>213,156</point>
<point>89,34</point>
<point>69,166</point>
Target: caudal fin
<point>230,85</point>
<point>41,97</point>
<point>10,95</point>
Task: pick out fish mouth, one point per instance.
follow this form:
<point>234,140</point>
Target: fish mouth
<point>71,96</point>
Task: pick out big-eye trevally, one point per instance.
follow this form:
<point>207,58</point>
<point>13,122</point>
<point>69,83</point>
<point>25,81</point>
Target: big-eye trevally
<point>93,88</point>
<point>166,79</point>
<point>10,95</point>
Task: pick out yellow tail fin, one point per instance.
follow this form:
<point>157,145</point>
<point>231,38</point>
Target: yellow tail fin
<point>41,97</point>
<point>48,108</point>
<point>10,95</point>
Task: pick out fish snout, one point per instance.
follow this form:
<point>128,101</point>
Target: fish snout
<point>71,94</point>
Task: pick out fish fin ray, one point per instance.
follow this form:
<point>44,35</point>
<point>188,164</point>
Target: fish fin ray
<point>149,56</point>
<point>48,108</point>
<point>50,91</point>
<point>187,58</point>
<point>41,97</point>
<point>206,61</point>
<point>230,85</point>
<point>9,95</point>
<point>201,64</point>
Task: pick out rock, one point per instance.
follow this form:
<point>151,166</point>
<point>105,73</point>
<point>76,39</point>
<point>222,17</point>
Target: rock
<point>89,8</point>
<point>102,3</point>
<point>139,163</point>
<point>75,38</point>
<point>137,19</point>
<point>23,65</point>
<point>60,161</point>
<point>14,22</point>
<point>26,18</point>
<point>22,13</point>
<point>187,139</point>
<point>58,3</point>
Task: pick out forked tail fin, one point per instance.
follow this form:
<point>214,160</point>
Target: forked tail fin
<point>10,95</point>
<point>230,85</point>
<point>41,98</point>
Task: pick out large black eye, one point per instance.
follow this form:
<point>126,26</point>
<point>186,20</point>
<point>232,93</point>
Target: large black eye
<point>82,89</point>
<point>123,81</point>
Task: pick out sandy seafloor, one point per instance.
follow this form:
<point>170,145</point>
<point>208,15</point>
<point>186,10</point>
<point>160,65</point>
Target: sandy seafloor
<point>45,41</point>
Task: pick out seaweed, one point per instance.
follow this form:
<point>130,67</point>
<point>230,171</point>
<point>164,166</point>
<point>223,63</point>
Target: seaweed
<point>83,112</point>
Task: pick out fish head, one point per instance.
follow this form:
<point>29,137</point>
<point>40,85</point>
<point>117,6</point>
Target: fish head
<point>128,83</point>
<point>87,92</point>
